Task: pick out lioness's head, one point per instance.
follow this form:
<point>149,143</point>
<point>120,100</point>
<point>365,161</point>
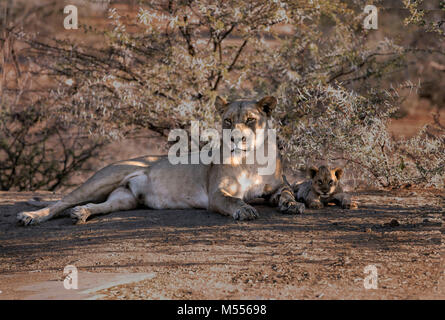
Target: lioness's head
<point>245,118</point>
<point>325,180</point>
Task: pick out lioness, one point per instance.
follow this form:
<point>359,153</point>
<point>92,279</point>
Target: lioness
<point>323,188</point>
<point>156,183</point>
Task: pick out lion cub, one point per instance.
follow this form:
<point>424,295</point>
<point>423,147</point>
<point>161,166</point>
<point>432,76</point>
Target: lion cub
<point>323,188</point>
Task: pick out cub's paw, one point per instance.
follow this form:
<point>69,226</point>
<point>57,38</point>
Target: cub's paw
<point>28,218</point>
<point>292,207</point>
<point>348,204</point>
<point>246,212</point>
<point>79,214</point>
<point>316,205</point>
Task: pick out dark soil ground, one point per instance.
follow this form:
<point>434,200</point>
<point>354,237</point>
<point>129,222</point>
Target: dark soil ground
<point>195,254</point>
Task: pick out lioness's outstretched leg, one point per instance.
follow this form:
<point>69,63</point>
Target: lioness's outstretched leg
<point>222,202</point>
<point>344,200</point>
<point>81,195</point>
<point>285,200</point>
<point>34,217</point>
<point>120,199</point>
<point>95,189</point>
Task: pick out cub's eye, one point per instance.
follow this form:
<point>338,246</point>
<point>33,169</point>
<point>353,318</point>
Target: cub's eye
<point>228,122</point>
<point>319,182</point>
<point>250,120</point>
<point>331,182</point>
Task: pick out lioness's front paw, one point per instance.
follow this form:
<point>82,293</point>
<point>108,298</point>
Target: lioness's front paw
<point>292,207</point>
<point>316,205</point>
<point>79,214</point>
<point>348,204</point>
<point>246,212</point>
<point>27,218</point>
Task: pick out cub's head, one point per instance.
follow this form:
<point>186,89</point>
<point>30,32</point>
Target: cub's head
<point>244,118</point>
<point>325,180</point>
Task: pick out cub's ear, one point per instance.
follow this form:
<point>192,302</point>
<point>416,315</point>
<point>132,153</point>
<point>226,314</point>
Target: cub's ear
<point>338,172</point>
<point>221,105</point>
<point>267,104</point>
<point>313,171</point>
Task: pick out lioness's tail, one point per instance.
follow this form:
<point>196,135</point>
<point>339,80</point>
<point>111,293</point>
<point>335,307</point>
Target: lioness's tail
<point>37,202</point>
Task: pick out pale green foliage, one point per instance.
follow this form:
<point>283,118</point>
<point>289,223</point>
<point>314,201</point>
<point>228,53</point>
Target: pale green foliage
<point>422,158</point>
<point>418,17</point>
<point>181,56</point>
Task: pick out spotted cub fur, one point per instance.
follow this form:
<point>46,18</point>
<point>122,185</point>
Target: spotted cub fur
<point>323,188</point>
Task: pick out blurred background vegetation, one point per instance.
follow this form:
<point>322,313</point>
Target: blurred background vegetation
<point>371,100</point>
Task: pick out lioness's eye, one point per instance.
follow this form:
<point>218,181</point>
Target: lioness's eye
<point>250,120</point>
<point>228,121</point>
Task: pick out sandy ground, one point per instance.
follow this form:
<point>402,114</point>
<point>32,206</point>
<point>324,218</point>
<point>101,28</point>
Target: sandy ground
<point>195,254</point>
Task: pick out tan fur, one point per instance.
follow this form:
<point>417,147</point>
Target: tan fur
<point>323,188</point>
<point>156,183</point>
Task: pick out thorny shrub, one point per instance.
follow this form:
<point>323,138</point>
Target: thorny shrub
<point>166,68</point>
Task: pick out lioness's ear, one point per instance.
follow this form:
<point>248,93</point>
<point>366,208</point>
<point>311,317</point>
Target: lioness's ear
<point>221,105</point>
<point>313,171</point>
<point>338,172</point>
<point>267,104</point>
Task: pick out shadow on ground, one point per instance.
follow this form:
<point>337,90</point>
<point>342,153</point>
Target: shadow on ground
<point>200,254</point>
